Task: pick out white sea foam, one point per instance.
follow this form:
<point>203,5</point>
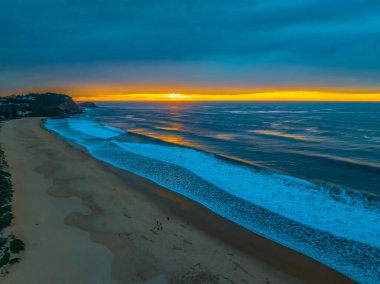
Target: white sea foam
<point>114,129</point>
<point>336,229</point>
<point>290,197</point>
<point>92,128</point>
<point>293,198</point>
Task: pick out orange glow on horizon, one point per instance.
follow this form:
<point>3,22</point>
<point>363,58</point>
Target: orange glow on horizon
<point>267,96</point>
<point>157,92</point>
<point>256,96</point>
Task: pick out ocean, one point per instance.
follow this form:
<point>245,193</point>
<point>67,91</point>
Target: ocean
<point>306,175</point>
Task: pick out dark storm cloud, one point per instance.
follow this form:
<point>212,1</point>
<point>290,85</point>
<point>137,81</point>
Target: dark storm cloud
<point>339,37</point>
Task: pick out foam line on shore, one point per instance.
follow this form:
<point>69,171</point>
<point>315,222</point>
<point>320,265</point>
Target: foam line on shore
<point>94,129</point>
<point>336,228</point>
<point>290,197</point>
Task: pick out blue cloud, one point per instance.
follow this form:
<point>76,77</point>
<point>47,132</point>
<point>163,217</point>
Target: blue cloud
<point>308,38</point>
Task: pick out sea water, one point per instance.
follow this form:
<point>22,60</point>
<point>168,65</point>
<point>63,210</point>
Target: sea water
<point>306,175</point>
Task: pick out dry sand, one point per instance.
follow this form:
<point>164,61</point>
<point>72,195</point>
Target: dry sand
<point>84,222</point>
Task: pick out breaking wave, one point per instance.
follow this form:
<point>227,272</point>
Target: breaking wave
<point>334,226</point>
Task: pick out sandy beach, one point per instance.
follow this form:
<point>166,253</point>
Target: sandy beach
<point>85,222</point>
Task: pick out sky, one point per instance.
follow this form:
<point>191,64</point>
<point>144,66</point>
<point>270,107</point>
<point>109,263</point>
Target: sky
<point>247,49</point>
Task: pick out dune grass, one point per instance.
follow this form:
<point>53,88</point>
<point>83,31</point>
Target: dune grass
<point>9,244</point>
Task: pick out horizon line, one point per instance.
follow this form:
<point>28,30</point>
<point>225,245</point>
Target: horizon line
<point>109,94</point>
<point>204,100</point>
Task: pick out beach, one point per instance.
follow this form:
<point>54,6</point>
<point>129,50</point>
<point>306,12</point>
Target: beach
<point>86,222</point>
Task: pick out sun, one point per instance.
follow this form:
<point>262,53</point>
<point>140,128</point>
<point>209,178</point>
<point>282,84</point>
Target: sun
<point>175,96</point>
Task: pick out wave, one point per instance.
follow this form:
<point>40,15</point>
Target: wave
<point>285,135</point>
<point>264,111</point>
<point>365,165</point>
<point>340,229</point>
<point>290,197</point>
<point>92,128</point>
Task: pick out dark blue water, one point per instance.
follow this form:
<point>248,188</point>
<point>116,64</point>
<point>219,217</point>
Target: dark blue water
<point>338,143</point>
<point>306,175</point>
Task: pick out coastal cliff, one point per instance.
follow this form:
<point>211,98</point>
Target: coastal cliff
<point>37,105</point>
<point>87,105</point>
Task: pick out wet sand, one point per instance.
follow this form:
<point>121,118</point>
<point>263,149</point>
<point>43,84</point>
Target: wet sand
<point>87,222</point>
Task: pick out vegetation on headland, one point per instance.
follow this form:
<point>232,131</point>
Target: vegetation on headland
<point>9,244</point>
<point>32,105</point>
<point>17,106</point>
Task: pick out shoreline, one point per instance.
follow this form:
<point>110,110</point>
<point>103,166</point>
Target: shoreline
<point>267,260</point>
<point>275,254</point>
